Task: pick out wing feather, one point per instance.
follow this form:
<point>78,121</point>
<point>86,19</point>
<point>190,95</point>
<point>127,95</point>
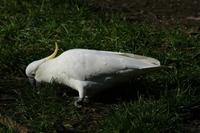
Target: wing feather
<point>92,63</point>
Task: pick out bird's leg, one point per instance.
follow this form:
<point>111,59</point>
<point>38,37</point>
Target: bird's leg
<point>78,103</point>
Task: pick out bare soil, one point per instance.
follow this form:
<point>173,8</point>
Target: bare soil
<point>173,13</point>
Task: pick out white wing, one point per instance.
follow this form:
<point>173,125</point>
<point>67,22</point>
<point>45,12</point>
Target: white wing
<point>84,64</point>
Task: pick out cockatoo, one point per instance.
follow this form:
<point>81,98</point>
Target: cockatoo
<point>88,71</point>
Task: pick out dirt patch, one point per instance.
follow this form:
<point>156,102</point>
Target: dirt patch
<point>160,12</point>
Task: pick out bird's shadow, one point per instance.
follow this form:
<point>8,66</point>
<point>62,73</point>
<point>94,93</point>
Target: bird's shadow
<point>127,91</point>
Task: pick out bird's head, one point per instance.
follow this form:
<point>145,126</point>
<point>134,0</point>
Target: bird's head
<point>31,69</point>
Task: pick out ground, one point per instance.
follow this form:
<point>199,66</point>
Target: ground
<point>163,101</point>
<point>161,13</point>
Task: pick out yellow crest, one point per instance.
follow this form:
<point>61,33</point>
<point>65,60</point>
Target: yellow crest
<point>54,53</point>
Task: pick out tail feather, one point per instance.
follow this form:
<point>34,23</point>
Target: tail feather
<point>145,59</point>
<point>151,69</point>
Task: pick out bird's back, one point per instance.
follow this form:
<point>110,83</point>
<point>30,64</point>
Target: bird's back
<point>85,64</point>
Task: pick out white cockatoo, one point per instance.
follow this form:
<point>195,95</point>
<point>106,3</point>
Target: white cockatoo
<point>89,71</point>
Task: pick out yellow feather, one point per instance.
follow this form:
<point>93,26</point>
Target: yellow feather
<point>54,53</point>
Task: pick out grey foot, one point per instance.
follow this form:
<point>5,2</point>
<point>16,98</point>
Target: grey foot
<point>78,102</point>
<point>86,99</point>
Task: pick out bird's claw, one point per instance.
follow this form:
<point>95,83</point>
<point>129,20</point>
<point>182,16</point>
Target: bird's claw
<point>86,99</point>
<point>78,103</point>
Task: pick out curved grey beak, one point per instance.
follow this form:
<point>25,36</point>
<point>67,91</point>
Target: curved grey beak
<point>33,82</point>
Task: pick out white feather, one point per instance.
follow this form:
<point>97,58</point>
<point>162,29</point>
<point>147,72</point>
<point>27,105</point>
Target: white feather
<point>90,71</point>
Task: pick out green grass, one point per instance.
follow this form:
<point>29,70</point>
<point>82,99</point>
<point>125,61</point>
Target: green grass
<point>143,117</point>
<point>28,31</point>
<point>154,116</point>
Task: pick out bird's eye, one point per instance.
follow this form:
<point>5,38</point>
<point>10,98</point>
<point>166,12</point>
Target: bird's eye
<point>33,74</point>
